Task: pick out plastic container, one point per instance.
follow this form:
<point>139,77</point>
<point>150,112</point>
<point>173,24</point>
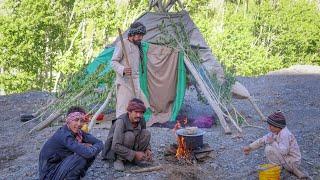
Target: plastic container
<point>85,128</point>
<point>269,172</point>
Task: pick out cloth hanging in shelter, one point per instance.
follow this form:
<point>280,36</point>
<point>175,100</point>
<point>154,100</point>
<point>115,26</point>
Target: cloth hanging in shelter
<point>163,82</point>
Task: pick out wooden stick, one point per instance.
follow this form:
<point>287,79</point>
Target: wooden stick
<point>53,116</point>
<point>56,82</point>
<point>180,4</point>
<point>147,169</point>
<point>45,107</point>
<point>127,60</point>
<point>253,126</point>
<point>94,118</point>
<point>160,6</point>
<point>308,162</point>
<point>47,122</point>
<point>213,103</point>
<point>202,151</point>
<point>263,118</point>
<point>168,5</point>
<point>202,155</point>
<point>43,110</point>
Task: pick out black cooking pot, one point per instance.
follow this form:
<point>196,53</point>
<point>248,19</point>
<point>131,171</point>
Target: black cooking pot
<point>193,141</point>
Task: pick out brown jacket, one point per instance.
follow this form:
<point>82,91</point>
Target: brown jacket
<point>114,143</point>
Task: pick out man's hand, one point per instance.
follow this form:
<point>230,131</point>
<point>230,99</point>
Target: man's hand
<point>269,140</point>
<point>87,144</point>
<point>246,150</point>
<point>127,71</point>
<point>139,156</point>
<point>148,154</point>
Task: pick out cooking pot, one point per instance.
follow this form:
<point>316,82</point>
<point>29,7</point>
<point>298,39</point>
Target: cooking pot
<point>193,141</point>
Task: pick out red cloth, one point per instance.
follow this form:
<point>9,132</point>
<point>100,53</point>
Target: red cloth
<point>136,106</point>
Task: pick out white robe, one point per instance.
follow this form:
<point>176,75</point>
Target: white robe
<point>284,150</point>
<point>124,89</point>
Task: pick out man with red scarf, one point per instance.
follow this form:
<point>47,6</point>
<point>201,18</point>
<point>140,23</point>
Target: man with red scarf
<point>128,140</point>
<point>69,152</point>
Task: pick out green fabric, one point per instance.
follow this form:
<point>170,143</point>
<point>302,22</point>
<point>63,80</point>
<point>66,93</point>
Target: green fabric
<point>181,84</point>
<point>104,58</point>
<point>143,78</point>
<point>181,87</point>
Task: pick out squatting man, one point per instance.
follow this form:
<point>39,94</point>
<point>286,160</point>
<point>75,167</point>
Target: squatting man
<point>128,140</point>
<point>70,151</point>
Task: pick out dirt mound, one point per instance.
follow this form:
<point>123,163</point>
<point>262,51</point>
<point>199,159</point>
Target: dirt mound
<point>297,70</point>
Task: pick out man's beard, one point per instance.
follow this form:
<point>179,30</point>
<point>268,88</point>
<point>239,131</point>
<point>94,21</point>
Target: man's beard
<point>138,43</point>
<point>137,120</point>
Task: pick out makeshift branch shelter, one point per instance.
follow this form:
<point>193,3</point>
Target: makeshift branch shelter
<point>172,43</point>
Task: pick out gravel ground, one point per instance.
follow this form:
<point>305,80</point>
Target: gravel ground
<point>294,90</point>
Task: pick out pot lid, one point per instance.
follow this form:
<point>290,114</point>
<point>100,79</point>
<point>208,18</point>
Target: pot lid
<point>183,132</point>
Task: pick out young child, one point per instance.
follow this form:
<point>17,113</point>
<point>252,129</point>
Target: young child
<point>281,145</point>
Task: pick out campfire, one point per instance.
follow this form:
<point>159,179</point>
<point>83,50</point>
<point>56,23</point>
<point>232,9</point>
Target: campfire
<point>182,151</point>
<point>189,147</point>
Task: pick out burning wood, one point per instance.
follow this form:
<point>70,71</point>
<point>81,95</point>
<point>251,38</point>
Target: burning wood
<point>182,121</point>
<point>182,151</point>
<point>189,145</point>
<point>190,156</point>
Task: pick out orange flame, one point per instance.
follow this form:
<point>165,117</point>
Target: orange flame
<point>177,126</point>
<point>182,151</point>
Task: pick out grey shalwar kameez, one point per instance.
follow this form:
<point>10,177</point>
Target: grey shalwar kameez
<point>123,139</point>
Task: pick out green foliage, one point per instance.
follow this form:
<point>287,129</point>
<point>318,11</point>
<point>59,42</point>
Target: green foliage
<point>87,85</point>
<point>40,39</point>
<point>262,37</point>
<point>291,30</point>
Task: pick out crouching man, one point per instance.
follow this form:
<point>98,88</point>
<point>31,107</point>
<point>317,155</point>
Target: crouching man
<point>281,145</point>
<point>69,152</point>
<point>128,140</point>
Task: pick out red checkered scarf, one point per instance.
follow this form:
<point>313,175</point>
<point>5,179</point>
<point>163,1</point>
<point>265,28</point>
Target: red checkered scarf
<point>73,117</point>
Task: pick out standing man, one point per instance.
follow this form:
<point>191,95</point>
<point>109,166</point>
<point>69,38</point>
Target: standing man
<point>128,140</point>
<point>124,71</point>
<point>69,152</point>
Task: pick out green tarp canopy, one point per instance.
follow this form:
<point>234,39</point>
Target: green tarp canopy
<point>104,58</point>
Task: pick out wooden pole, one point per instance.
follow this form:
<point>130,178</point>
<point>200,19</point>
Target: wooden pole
<point>240,92</point>
<point>147,169</point>
<point>53,116</point>
<point>127,60</point>
<point>263,118</point>
<point>213,103</point>
<point>45,107</point>
<point>94,118</point>
<point>47,122</point>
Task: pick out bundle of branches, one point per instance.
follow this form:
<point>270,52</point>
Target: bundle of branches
<point>79,89</point>
<point>219,93</point>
